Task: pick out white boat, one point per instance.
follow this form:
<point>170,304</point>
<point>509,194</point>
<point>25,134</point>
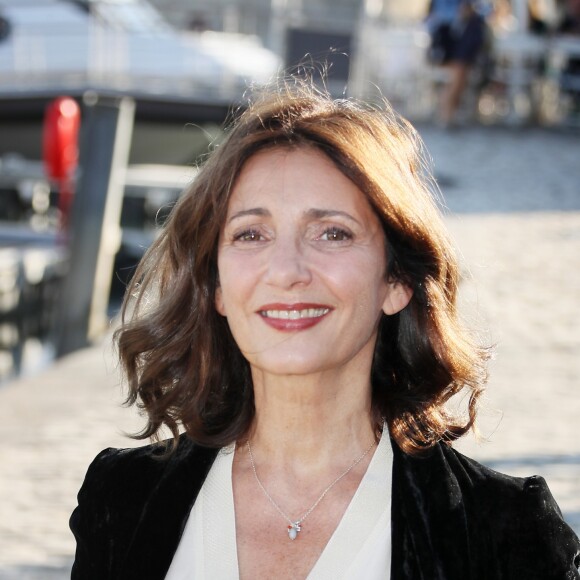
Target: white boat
<point>122,45</point>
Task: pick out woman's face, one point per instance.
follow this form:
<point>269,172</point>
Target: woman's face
<point>301,265</point>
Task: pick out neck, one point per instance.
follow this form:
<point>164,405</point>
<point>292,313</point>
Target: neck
<point>308,423</point>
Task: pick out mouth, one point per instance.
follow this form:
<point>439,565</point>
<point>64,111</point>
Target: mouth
<point>289,317</point>
<point>294,314</point>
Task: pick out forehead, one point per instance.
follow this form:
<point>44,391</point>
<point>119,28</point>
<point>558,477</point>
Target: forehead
<point>297,175</point>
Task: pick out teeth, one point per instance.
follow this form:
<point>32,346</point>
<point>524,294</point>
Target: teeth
<point>295,314</point>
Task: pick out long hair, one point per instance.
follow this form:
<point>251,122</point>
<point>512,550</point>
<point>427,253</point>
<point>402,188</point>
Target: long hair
<point>182,364</point>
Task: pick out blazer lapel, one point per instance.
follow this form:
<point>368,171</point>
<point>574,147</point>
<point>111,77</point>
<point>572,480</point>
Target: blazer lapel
<point>429,524</point>
<point>165,514</point>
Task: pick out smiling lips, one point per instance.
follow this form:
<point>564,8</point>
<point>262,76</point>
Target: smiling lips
<point>293,316</point>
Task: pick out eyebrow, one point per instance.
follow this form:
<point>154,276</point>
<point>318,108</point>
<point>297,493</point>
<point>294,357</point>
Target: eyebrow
<point>313,213</point>
<point>258,211</point>
<point>324,213</point>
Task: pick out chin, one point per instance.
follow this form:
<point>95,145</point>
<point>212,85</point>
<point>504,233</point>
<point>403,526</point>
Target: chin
<point>294,365</point>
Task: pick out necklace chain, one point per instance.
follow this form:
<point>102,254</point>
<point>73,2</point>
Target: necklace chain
<point>295,525</point>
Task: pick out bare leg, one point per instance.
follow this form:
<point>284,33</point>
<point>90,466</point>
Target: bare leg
<point>458,75</point>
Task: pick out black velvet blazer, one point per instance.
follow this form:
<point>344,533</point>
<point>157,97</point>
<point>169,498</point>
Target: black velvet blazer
<point>452,518</point>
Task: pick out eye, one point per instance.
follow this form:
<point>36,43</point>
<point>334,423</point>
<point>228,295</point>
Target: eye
<point>248,235</point>
<point>334,234</point>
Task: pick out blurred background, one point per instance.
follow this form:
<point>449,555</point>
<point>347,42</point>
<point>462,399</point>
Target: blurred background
<point>107,107</point>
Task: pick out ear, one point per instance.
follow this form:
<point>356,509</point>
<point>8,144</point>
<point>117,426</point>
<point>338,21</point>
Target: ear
<point>398,296</point>
<point>219,301</point>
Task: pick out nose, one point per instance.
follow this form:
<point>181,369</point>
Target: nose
<point>287,264</point>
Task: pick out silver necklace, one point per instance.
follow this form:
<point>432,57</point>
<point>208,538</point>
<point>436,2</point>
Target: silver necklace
<point>294,526</point>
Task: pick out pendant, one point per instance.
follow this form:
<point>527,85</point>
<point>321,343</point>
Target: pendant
<point>293,530</point>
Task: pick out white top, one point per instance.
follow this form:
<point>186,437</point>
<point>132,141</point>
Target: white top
<point>359,548</point>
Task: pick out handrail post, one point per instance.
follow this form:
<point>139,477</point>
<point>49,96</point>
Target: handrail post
<point>95,233</point>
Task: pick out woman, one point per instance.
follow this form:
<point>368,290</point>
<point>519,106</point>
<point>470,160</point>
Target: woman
<point>296,319</point>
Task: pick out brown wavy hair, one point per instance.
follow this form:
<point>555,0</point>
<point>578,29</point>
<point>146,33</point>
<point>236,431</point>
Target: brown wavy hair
<point>182,364</point>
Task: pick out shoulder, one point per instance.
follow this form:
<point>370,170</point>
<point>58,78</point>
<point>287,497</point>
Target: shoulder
<point>496,493</point>
<point>519,515</point>
<point>510,527</point>
<point>114,470</point>
<point>145,461</point>
<point>483,479</point>
<point>443,466</point>
<point>127,494</point>
<point>117,474</point>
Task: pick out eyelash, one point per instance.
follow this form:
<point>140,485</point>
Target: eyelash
<point>249,235</point>
<point>344,235</point>
<point>332,234</point>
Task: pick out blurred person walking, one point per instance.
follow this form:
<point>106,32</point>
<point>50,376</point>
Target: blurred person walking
<point>570,23</point>
<point>569,26</point>
<point>458,33</point>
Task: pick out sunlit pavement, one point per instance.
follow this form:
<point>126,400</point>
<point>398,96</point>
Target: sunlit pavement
<point>513,199</point>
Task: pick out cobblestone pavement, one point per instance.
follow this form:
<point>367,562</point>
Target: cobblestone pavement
<point>514,210</point>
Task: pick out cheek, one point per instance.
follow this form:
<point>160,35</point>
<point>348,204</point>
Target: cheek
<point>219,302</point>
<point>235,277</point>
<point>360,276</point>
<point>371,289</point>
<point>223,283</point>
